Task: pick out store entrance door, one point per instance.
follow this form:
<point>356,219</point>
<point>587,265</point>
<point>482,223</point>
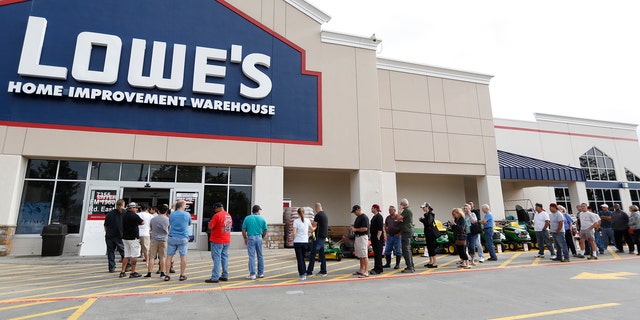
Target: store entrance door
<point>154,197</point>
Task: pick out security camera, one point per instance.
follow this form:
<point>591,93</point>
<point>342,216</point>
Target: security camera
<point>373,38</point>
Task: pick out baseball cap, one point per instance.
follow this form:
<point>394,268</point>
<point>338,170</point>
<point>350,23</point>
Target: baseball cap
<point>425,204</point>
<point>376,206</point>
<point>256,208</point>
<point>356,207</point>
<point>133,205</point>
<point>604,205</point>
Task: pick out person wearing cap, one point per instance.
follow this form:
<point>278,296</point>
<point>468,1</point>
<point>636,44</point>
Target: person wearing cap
<point>405,218</point>
<point>589,221</point>
<point>254,228</point>
<point>130,235</point>
<point>394,238</point>
<point>220,225</point>
<point>604,236</point>
<point>377,239</point>
<point>113,234</point>
<point>178,241</point>
<point>320,226</point>
<point>431,233</point>
<point>556,227</point>
<point>361,244</point>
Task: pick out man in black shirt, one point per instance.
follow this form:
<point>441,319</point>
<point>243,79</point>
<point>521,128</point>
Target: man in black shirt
<point>130,235</point>
<point>377,238</point>
<point>361,243</point>
<point>320,225</point>
<point>113,234</point>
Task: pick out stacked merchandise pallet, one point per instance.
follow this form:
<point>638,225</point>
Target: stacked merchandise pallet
<point>291,214</point>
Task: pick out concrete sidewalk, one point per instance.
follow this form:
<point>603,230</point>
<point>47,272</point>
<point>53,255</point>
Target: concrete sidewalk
<point>193,255</point>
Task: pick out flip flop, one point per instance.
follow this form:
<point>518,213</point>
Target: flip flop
<point>167,278</point>
<point>182,278</point>
<point>363,275</point>
<point>357,273</point>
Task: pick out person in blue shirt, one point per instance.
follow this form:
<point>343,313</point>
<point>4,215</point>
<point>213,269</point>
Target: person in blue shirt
<point>487,223</point>
<point>254,228</point>
<point>179,222</point>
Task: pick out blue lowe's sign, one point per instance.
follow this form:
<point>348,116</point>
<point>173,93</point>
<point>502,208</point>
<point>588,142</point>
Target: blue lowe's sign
<point>193,68</point>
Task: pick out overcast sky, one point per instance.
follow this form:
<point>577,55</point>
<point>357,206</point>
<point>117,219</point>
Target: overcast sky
<point>571,58</point>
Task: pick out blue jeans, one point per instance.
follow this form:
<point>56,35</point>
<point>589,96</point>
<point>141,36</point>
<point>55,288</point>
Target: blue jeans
<point>220,255</point>
<point>543,238</point>
<point>607,237</point>
<point>599,242</point>
<point>317,247</point>
<point>488,238</point>
<point>561,245</point>
<point>300,249</point>
<point>254,248</point>
<point>471,243</point>
<point>114,244</point>
<point>393,245</point>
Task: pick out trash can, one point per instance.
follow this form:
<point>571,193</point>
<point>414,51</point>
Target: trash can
<point>53,237</point>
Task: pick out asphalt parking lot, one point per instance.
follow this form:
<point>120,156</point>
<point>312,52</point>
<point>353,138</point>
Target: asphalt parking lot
<point>518,286</point>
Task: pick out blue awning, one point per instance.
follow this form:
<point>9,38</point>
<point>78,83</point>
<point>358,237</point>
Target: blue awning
<point>513,166</point>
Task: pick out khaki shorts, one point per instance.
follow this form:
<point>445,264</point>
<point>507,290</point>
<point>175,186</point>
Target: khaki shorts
<point>361,246</point>
<point>158,248</point>
<point>587,234</point>
<point>144,244</point>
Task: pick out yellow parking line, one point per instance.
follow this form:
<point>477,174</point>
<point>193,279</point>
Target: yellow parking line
<point>513,257</point>
<point>614,254</point>
<point>82,309</point>
<point>44,313</point>
<point>552,312</point>
<point>23,305</point>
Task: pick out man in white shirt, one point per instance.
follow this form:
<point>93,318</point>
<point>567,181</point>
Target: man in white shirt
<point>589,221</point>
<point>541,223</point>
<point>144,230</point>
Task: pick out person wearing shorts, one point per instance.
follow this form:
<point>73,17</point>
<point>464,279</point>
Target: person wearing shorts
<point>179,222</point>
<point>589,221</point>
<point>130,234</point>
<point>361,244</point>
<point>159,226</point>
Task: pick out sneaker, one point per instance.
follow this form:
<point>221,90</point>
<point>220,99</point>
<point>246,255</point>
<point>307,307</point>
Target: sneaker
<point>433,266</point>
<point>162,274</point>
<point>566,260</point>
<point>492,259</point>
<point>303,278</point>
<point>260,276</point>
<point>112,271</point>
<point>250,277</point>
<point>540,256</point>
<point>481,260</point>
<point>148,275</point>
<point>211,281</point>
<point>135,275</point>
<point>579,255</point>
<point>321,274</point>
<point>553,257</point>
<point>556,259</point>
<point>407,270</point>
<point>396,267</point>
<point>466,267</point>
<point>223,279</point>
<point>473,263</point>
<point>122,274</point>
<point>373,272</point>
<point>592,257</point>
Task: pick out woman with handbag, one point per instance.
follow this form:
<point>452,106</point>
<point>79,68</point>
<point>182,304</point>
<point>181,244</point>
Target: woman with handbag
<point>634,226</point>
<point>460,235</point>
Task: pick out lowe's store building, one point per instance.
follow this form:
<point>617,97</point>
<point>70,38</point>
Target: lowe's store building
<point>251,102</point>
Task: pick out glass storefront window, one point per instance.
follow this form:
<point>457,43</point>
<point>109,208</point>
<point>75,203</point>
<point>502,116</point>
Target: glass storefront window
<point>35,207</point>
<point>239,205</point>
<point>598,197</point>
<point>135,172</point>
<point>73,170</point>
<point>163,173</point>
<point>240,176</point>
<point>216,175</point>
<point>189,174</point>
<point>597,165</point>
<point>42,169</point>
<point>105,171</point>
<point>67,204</point>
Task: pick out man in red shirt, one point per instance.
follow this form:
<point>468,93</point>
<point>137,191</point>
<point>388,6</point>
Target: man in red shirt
<point>220,226</point>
